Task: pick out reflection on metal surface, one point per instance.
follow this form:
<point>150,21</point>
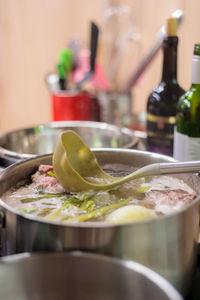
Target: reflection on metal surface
<point>28,142</point>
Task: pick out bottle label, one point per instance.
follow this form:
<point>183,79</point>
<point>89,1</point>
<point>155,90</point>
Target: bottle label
<point>186,148</point>
<point>196,69</point>
<point>161,119</point>
<point>160,133</point>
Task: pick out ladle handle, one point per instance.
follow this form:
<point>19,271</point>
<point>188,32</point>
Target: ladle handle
<point>180,167</point>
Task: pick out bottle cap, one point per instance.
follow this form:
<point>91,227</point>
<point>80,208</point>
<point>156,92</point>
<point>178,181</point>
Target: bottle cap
<point>171,26</point>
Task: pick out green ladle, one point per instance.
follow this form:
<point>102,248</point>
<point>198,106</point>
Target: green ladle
<point>77,169</point>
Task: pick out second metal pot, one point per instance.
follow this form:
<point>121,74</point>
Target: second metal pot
<point>79,276</point>
<point>28,142</point>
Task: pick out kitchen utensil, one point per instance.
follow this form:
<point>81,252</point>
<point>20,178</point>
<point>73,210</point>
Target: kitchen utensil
<point>28,142</point>
<point>150,55</point>
<point>167,244</point>
<point>52,81</point>
<point>116,108</point>
<point>64,67</point>
<point>75,165</point>
<point>69,106</point>
<point>93,51</point>
<point>60,276</point>
<point>117,33</point>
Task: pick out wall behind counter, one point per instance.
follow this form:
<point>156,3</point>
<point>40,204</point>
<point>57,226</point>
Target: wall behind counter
<point>33,32</point>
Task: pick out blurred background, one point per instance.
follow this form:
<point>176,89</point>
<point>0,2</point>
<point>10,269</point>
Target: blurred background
<point>33,32</point>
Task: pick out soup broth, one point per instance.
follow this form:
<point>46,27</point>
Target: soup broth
<point>133,201</point>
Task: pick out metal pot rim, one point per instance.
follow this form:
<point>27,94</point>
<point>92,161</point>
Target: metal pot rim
<point>155,278</point>
<point>88,224</point>
<point>12,155</point>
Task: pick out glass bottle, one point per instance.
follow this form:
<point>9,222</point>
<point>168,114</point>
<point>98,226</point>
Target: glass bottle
<point>187,130</point>
<point>162,102</point>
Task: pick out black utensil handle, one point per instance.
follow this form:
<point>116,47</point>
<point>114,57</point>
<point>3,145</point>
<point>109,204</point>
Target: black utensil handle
<point>93,44</point>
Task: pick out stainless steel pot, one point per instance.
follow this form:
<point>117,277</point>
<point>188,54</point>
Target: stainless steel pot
<point>167,245</point>
<point>79,276</point>
<point>29,142</point>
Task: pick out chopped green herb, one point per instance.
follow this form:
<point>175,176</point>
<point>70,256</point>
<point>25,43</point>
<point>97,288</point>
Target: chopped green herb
<point>143,189</point>
<point>72,200</point>
<point>96,213</point>
<point>55,214</point>
<point>45,212</point>
<point>33,199</point>
<point>51,174</point>
<point>88,205</point>
<point>27,211</point>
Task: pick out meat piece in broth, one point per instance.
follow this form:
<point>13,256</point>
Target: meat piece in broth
<point>44,180</point>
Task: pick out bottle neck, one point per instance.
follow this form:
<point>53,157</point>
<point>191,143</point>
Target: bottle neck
<point>195,69</point>
<point>169,73</point>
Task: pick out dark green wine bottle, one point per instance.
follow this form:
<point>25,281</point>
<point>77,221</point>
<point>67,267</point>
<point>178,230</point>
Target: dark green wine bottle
<point>162,102</point>
<point>187,130</point>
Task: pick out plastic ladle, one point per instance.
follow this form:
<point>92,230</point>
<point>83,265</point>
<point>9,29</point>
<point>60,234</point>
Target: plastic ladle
<point>77,169</point>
